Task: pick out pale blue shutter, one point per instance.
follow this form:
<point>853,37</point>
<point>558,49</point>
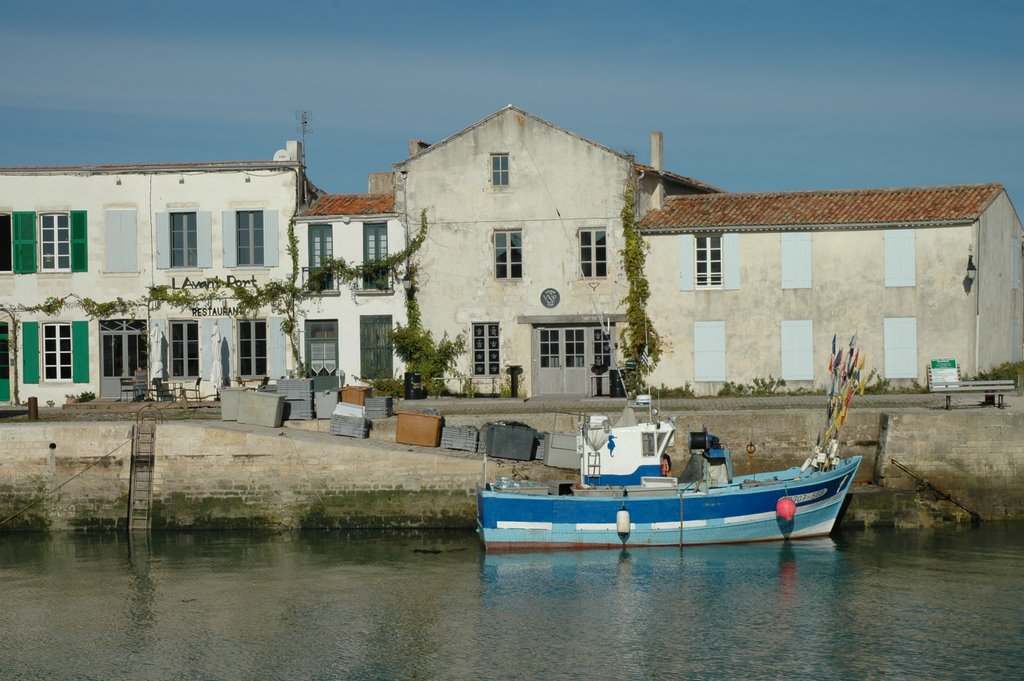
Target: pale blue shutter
<point>709,351</point>
<point>730,261</point>
<point>163,240</point>
<point>899,257</point>
<point>121,241</point>
<point>270,245</point>
<point>797,338</point>
<point>277,345</point>
<point>686,262</point>
<point>204,228</point>
<point>901,347</point>
<point>229,237</point>
<point>1015,262</point>
<point>796,260</point>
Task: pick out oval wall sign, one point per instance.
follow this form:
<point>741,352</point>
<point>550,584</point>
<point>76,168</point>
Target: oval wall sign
<point>549,297</point>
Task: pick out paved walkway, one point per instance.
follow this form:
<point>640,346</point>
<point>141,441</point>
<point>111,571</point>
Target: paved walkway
<point>105,411</point>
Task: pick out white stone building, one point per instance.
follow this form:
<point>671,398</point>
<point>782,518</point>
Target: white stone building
<point>747,286</point>
<point>346,334</point>
<point>107,232</point>
<point>523,253</point>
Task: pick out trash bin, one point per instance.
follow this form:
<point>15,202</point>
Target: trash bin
<point>616,388</point>
<point>414,386</point>
<point>514,371</point>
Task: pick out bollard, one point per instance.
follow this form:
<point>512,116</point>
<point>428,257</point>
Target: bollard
<point>33,409</point>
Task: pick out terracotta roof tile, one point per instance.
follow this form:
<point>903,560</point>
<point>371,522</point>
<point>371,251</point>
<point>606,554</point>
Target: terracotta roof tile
<point>641,168</point>
<point>353,204</point>
<point>822,208</point>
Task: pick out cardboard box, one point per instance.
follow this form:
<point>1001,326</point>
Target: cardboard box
<point>356,394</point>
<point>419,429</point>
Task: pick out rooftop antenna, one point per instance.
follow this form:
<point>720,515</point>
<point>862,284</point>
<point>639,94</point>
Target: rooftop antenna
<point>304,117</point>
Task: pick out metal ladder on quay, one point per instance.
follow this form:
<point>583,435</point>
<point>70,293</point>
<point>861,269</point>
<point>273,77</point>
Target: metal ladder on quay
<point>140,485</point>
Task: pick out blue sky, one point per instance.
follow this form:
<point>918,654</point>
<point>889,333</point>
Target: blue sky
<point>751,96</point>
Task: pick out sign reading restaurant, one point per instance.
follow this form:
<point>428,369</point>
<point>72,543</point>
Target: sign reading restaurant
<point>223,310</point>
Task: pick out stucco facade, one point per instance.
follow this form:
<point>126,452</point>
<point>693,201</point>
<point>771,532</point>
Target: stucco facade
<point>787,287</point>
<point>523,253</point>
<point>361,312</point>
<point>108,232</point>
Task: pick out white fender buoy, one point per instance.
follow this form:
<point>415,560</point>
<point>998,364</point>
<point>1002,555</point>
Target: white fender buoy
<point>622,521</point>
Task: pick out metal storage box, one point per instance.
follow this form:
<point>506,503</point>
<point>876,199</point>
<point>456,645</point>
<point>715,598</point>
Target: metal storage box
<point>560,451</point>
<point>511,441</point>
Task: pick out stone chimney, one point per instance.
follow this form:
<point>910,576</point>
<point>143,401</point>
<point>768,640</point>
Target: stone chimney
<point>658,163</point>
<point>657,151</point>
<point>381,183</point>
<point>416,146</point>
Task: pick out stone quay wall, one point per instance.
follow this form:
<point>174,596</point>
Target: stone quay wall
<point>212,475</point>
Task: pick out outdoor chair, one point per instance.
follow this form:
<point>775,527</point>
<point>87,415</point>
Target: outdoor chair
<point>161,392</point>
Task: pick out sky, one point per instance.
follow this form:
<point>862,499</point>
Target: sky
<point>750,95</point>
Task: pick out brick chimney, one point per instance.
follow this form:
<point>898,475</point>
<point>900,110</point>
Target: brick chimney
<point>416,146</point>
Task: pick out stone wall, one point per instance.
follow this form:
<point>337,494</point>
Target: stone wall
<point>216,475</point>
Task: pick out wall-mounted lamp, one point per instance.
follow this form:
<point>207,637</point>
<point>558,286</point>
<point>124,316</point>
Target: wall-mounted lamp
<point>181,180</point>
<point>972,272</point>
<point>118,183</point>
<point>248,179</point>
<point>407,281</point>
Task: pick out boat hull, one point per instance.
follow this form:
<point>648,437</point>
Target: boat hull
<point>741,512</point>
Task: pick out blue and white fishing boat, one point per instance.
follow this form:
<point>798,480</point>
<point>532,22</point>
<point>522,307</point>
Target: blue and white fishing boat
<point>624,496</point>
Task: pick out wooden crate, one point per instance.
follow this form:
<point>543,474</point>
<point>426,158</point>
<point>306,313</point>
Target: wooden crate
<point>419,429</point>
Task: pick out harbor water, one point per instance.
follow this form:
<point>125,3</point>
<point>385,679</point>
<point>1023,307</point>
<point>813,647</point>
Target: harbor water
<point>937,604</point>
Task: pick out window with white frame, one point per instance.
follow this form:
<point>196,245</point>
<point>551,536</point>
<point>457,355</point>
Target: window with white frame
<point>249,237</point>
<point>252,348</point>
<point>184,240</point>
<point>184,349</point>
<point>508,254</point>
<point>486,349</point>
<point>55,242</point>
<point>708,261</point>
<point>6,244</point>
<point>57,355</point>
<point>593,253</point>
<point>499,170</point>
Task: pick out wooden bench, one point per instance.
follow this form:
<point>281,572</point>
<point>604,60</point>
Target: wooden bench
<point>993,390</point>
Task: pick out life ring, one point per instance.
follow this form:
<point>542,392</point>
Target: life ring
<point>666,466</point>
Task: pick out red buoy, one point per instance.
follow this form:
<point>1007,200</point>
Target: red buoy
<point>785,508</point>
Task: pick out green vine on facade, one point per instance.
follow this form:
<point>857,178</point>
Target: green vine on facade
<point>413,343</point>
<point>639,334</point>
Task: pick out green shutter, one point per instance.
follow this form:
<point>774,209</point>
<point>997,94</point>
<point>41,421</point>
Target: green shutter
<point>80,352</point>
<point>24,242</point>
<point>79,241</point>
<point>30,352</point>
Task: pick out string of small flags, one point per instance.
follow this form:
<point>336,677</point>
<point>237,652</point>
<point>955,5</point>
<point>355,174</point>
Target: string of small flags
<point>844,366</point>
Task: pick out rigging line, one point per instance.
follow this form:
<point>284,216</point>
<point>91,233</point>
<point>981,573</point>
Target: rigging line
<point>61,485</point>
